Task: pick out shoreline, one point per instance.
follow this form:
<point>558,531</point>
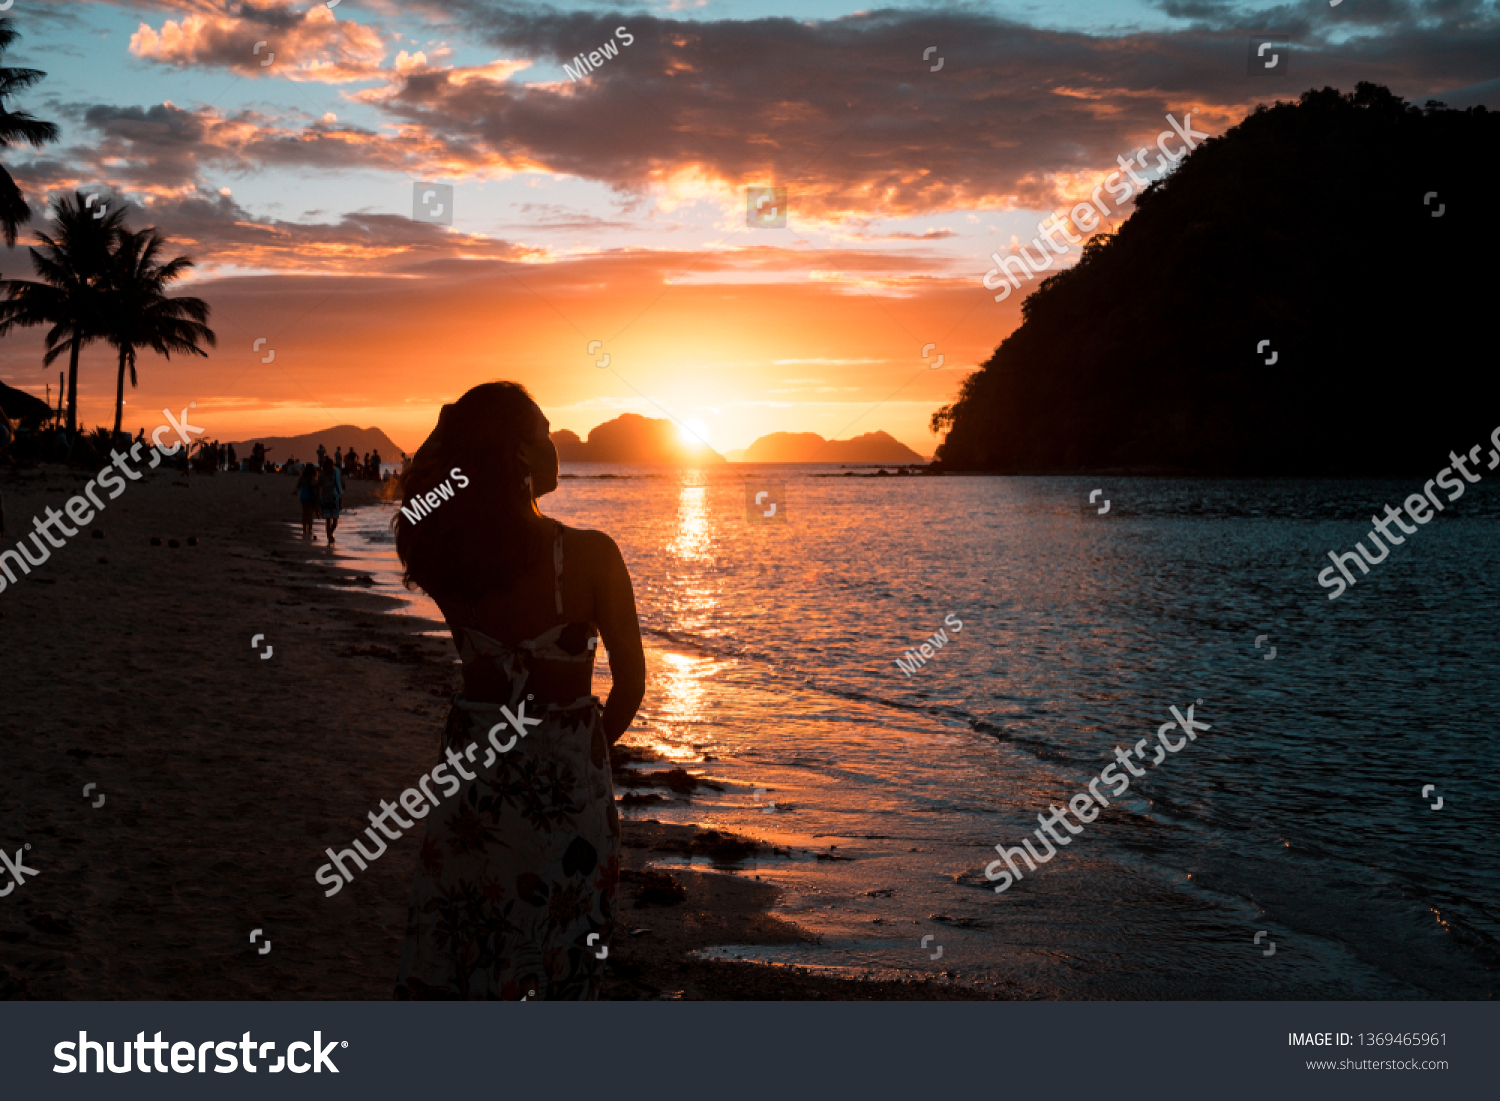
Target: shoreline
<point>226,774</point>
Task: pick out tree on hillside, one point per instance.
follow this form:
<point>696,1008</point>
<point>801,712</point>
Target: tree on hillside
<point>73,268</point>
<point>17,126</point>
<point>139,314</point>
<point>1275,305</point>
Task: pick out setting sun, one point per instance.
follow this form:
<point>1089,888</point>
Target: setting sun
<point>694,431</point>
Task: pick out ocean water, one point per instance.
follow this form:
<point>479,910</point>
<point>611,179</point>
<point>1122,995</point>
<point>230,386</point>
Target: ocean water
<point>1300,815</point>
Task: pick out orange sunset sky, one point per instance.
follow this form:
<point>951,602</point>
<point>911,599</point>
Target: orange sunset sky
<point>280,146</point>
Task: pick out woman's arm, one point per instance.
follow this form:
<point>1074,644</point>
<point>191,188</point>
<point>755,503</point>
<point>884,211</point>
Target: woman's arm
<point>620,629</point>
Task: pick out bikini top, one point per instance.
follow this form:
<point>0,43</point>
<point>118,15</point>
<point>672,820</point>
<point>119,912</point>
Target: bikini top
<point>568,642</point>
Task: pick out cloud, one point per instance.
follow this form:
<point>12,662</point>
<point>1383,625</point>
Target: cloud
<point>219,233</point>
<point>275,40</point>
<point>845,112</point>
<point>166,149</point>
<point>554,217</point>
<point>930,235</point>
<point>847,115</point>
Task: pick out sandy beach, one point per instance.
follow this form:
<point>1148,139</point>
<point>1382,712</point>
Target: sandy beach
<point>225,774</point>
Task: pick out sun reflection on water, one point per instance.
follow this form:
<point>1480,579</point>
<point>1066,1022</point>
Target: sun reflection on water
<point>694,592</point>
<point>693,542</point>
<point>681,681</point>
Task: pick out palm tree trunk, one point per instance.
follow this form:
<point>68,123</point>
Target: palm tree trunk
<point>119,397</point>
<point>73,387</point>
<point>73,398</point>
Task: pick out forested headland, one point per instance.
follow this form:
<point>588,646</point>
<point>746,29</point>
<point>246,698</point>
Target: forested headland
<point>1304,226</point>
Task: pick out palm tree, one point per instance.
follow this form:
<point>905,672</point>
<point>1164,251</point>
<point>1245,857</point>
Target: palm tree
<point>17,126</point>
<point>138,313</point>
<point>73,269</point>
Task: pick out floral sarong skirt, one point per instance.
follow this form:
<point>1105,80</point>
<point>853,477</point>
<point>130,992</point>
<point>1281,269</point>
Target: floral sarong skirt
<point>515,885</point>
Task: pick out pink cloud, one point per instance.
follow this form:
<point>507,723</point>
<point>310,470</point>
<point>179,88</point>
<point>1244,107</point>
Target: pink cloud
<point>274,41</point>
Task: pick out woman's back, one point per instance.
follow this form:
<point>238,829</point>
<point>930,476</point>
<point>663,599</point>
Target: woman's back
<point>550,612</point>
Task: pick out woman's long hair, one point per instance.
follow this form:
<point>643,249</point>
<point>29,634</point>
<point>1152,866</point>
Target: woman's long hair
<point>479,538</point>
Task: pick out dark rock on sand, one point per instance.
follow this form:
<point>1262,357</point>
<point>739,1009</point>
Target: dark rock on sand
<point>653,888</point>
<point>635,800</point>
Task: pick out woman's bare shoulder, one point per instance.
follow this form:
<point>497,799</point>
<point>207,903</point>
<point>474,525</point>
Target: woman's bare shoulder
<point>594,547</point>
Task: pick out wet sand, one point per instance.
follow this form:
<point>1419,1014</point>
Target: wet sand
<point>225,774</point>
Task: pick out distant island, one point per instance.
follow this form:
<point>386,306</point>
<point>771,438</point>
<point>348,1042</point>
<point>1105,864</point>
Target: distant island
<point>631,438</point>
<point>1291,299</point>
<point>305,447</point>
<point>809,447</point>
<point>628,438</point>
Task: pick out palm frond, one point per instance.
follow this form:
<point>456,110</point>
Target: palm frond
<point>14,80</point>
<point>17,126</point>
<point>55,352</point>
<point>14,213</point>
<point>23,126</point>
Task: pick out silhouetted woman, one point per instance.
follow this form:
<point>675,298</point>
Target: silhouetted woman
<point>330,496</point>
<point>307,493</point>
<point>520,857</point>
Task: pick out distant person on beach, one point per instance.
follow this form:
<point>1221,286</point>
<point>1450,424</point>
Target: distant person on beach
<point>330,495</point>
<point>7,433</point>
<point>231,463</point>
<point>322,454</point>
<point>307,493</point>
<point>520,861</point>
